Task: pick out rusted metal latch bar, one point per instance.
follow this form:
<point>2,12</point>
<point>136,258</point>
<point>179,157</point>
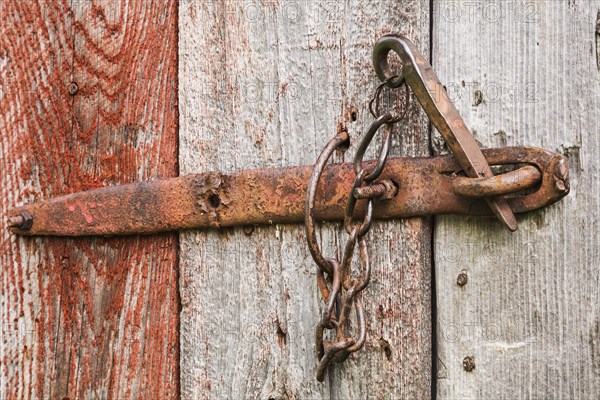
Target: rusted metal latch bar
<point>406,187</point>
<point>427,186</point>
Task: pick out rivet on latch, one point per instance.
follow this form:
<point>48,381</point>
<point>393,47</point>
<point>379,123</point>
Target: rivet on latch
<point>469,363</point>
<point>22,221</point>
<point>462,278</point>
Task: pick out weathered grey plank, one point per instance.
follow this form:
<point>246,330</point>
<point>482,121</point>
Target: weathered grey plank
<point>266,84</point>
<point>529,314</point>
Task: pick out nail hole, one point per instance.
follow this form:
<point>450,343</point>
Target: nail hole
<point>469,363</point>
<point>477,98</point>
<point>281,335</point>
<point>354,115</point>
<point>387,350</point>
<point>462,278</point>
<point>214,200</point>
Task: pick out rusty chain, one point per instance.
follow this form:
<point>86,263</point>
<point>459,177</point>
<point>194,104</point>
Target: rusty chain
<point>340,291</point>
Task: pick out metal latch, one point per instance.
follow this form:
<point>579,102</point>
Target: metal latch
<point>425,186</point>
<point>408,187</point>
<point>461,183</point>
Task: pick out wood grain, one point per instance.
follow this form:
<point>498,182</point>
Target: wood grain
<point>92,317</point>
<point>530,312</point>
<point>267,84</point>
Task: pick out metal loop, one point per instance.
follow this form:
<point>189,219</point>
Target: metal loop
<point>347,256</point>
<point>498,185</point>
<point>329,320</point>
<point>362,329</point>
<point>361,283</point>
<point>311,236</point>
<point>405,106</point>
<point>381,160</point>
<point>364,144</point>
<point>353,297</point>
<point>351,205</point>
<point>380,59</point>
<point>319,332</point>
<point>328,350</point>
<point>377,97</point>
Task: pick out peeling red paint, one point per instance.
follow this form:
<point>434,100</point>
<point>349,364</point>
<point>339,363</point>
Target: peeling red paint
<point>89,307</point>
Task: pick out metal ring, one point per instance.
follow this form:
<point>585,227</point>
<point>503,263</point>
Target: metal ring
<point>351,205</point>
<point>327,320</point>
<point>377,95</point>
<point>358,284</point>
<point>309,219</point>
<point>360,316</point>
<point>364,144</point>
<point>347,257</point>
<point>361,283</point>
<point>375,99</point>
<point>329,351</point>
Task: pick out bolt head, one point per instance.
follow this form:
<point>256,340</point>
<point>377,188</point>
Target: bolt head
<point>22,221</point>
<point>469,363</point>
<point>462,278</point>
<point>73,88</point>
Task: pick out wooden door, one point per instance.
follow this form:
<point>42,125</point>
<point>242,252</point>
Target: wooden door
<point>96,93</point>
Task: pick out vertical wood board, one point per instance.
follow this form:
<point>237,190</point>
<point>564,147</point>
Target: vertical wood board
<point>88,98</point>
<point>529,313</point>
<point>267,84</point>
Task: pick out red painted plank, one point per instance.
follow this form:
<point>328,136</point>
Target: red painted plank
<point>92,317</point>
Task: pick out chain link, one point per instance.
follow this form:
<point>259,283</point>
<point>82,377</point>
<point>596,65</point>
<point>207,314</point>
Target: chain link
<point>340,291</point>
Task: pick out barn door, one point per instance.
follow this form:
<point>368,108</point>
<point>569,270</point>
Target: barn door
<point>267,84</point>
<point>97,93</point>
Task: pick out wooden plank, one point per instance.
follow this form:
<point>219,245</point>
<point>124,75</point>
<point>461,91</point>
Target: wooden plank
<point>529,312</point>
<point>267,84</point>
<point>91,317</point>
